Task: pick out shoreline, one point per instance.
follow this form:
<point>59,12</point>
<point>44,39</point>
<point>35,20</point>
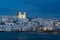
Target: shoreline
<point>43,32</point>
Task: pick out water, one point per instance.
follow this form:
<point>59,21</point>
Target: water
<point>28,36</point>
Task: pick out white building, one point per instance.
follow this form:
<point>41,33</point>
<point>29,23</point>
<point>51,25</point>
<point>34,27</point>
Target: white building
<point>21,14</point>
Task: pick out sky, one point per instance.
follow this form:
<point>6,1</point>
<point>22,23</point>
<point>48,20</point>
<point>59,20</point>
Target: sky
<point>33,8</point>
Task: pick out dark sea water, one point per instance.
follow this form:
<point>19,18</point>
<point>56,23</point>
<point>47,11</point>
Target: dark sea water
<point>28,36</point>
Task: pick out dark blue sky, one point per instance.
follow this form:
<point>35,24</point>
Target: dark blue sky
<point>40,8</point>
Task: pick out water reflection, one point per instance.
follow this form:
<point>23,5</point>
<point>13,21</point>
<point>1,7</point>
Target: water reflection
<point>28,36</point>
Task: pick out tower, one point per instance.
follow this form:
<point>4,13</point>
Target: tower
<point>21,14</point>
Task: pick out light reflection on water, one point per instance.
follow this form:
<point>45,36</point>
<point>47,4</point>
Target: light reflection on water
<point>28,36</point>
<point>38,36</point>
